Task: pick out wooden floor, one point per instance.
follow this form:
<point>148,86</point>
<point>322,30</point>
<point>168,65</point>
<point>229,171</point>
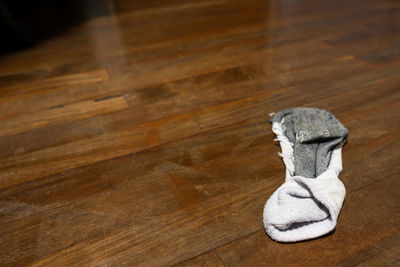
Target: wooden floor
<point>142,138</point>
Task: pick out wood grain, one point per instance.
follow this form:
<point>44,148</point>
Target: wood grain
<point>147,142</point>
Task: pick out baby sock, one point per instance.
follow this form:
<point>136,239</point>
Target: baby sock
<point>307,205</point>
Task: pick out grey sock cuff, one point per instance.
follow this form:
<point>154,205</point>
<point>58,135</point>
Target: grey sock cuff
<point>314,133</point>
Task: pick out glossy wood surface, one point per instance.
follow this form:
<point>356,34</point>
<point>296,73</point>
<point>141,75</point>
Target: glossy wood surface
<point>141,138</point>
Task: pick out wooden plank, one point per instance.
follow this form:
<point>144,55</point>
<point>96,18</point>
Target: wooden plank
<point>57,114</point>
<point>208,259</point>
<point>154,103</point>
<point>46,93</point>
<point>126,141</point>
<point>82,58</point>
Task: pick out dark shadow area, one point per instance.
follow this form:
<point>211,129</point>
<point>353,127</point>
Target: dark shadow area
<point>23,23</point>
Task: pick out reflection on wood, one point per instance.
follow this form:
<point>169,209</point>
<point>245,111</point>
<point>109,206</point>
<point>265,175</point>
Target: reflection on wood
<point>142,137</point>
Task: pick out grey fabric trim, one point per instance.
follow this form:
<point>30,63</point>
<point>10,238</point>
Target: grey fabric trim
<point>314,133</point>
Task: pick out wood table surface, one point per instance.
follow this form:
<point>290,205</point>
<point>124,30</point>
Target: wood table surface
<point>141,137</point>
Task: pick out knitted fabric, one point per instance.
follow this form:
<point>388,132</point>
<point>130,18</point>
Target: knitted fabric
<point>307,205</point>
